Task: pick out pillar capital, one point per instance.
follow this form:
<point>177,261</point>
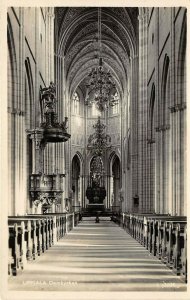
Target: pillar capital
<point>163,127</point>
<point>177,107</point>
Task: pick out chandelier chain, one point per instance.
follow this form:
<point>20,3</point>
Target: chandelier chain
<point>101,87</point>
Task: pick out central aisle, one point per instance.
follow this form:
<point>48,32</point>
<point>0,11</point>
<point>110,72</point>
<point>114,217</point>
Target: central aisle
<point>97,257</point>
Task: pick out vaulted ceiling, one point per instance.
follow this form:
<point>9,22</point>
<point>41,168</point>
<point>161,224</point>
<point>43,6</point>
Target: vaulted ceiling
<point>76,31</point>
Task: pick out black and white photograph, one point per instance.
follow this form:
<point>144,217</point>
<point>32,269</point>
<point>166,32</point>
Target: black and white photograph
<point>94,150</point>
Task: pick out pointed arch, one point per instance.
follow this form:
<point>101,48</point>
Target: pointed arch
<point>80,157</point>
<point>12,105</point>
<point>114,170</point>
<point>75,180</point>
<point>13,63</point>
<point>181,62</point>
<point>76,166</point>
<point>152,113</point>
<point>29,95</point>
<point>165,89</point>
<point>165,146</point>
<point>181,101</point>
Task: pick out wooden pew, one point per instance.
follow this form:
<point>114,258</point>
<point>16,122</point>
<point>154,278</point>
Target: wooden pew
<point>24,241</point>
<point>156,231</point>
<point>14,260</point>
<point>183,272</point>
<point>139,228</point>
<point>127,221</point>
<point>53,227</point>
<point>164,238</point>
<point>178,255</point>
<point>69,222</point>
<point>163,235</point>
<point>31,235</point>
<point>174,247</point>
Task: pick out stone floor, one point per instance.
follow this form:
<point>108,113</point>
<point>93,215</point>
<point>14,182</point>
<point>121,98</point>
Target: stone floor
<point>97,257</point>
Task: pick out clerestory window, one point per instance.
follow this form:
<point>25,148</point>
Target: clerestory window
<point>76,103</point>
<point>115,107</point>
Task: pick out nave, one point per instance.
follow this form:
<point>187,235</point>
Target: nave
<point>97,257</point>
<point>96,124</point>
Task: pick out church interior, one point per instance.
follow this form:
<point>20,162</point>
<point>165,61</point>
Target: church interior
<point>96,133</point>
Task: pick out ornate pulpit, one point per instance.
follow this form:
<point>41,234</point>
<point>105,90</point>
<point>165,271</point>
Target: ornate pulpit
<point>46,189</point>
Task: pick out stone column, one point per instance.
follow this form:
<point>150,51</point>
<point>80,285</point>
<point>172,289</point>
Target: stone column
<point>20,136</point>
<point>80,190</point>
<point>83,191</point>
<point>51,148</point>
<point>134,125</point>
<point>108,178</point>
<point>36,135</point>
<point>60,149</point>
<point>143,158</point>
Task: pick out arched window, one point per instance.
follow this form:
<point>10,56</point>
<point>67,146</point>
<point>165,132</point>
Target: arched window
<point>115,107</point>
<point>95,111</point>
<point>115,183</point>
<point>76,188</point>
<point>96,171</point>
<point>76,102</point>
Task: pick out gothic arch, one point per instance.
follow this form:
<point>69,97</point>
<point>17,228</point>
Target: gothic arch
<point>151,149</point>
<point>78,41</point>
<point>116,165</point>
<point>94,159</point>
<point>76,166</point>
<point>89,14</point>
<point>165,162</point>
<point>29,95</point>
<point>114,153</point>
<point>80,92</point>
<point>13,62</point>
<point>128,154</point>
<point>165,90</point>
<point>111,159</point>
<point>80,157</point>
<point>152,113</point>
<point>181,63</point>
<point>12,105</point>
<point>115,180</point>
<point>76,183</point>
<point>91,161</point>
<point>181,101</point>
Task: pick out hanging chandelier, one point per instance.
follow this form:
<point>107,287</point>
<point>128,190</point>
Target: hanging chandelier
<point>99,141</point>
<point>100,87</point>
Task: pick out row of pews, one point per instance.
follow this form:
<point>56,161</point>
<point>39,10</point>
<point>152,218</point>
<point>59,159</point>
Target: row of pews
<point>164,236</point>
<point>32,235</point>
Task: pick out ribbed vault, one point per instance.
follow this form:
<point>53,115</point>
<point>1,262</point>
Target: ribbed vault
<point>77,41</point>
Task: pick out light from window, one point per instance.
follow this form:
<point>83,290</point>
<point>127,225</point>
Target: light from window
<point>76,102</point>
<point>115,108</point>
<point>95,111</point>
